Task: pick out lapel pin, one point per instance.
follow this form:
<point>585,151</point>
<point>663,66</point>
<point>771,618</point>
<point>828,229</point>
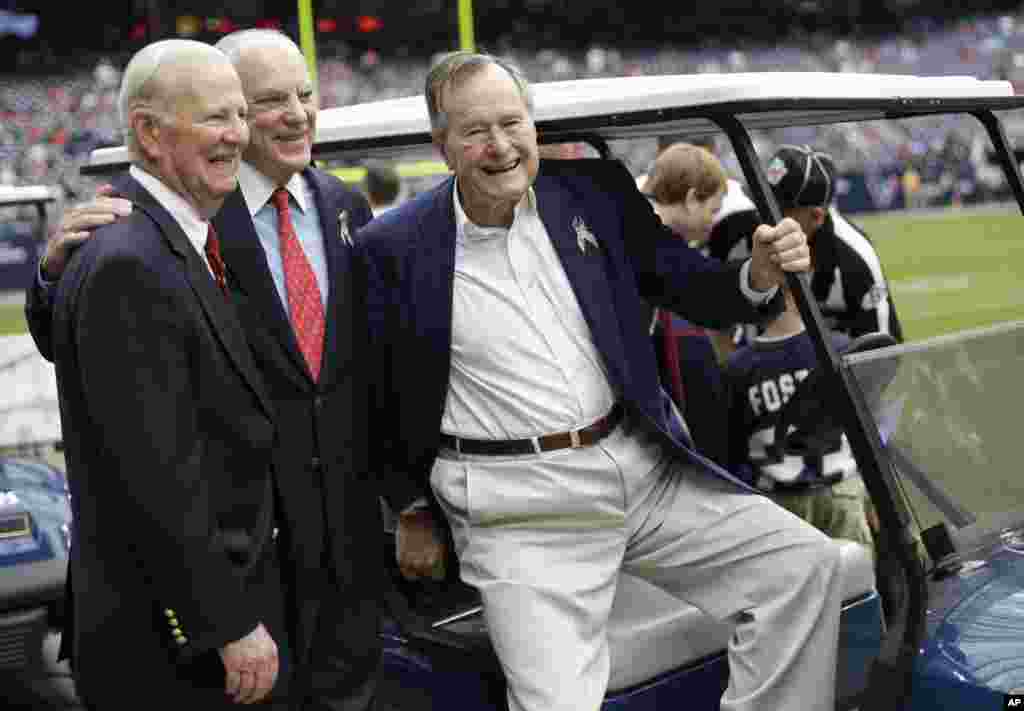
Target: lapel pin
<point>583,235</point>
<point>343,231</point>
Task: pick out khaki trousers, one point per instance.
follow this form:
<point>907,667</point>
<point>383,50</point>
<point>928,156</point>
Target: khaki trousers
<point>543,537</point>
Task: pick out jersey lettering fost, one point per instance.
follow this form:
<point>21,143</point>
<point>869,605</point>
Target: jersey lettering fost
<point>760,379</point>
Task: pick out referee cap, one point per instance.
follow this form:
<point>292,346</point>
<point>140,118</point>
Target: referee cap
<point>801,177</point>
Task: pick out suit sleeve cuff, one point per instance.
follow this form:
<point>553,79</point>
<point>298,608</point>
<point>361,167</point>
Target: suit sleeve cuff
<point>757,298</point>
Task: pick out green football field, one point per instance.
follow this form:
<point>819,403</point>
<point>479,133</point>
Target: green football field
<point>12,319</point>
<point>948,270</point>
<point>951,270</point>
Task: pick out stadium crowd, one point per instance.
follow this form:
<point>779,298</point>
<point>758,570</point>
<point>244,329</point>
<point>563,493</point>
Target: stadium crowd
<point>50,124</point>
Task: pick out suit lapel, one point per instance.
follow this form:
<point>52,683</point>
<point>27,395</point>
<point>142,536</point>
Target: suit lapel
<point>337,334</point>
<point>431,297</point>
<point>587,270</point>
<point>215,304</point>
<point>247,267</point>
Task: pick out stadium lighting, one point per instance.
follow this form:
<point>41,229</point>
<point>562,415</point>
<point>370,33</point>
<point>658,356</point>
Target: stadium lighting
<point>221,25</point>
<point>187,25</point>
<point>369,23</point>
<point>327,25</point>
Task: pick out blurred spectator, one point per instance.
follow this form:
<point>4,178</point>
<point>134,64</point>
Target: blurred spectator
<point>382,186</point>
<point>562,151</point>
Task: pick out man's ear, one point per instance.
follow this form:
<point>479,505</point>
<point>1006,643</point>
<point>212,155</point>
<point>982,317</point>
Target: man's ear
<point>148,129</point>
<point>691,201</point>
<point>438,137</point>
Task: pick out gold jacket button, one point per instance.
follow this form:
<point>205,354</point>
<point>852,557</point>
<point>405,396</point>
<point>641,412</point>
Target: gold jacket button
<point>181,640</point>
<point>169,612</point>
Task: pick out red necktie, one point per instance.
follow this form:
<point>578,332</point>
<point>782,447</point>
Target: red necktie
<point>304,305</point>
<point>670,344</point>
<point>215,260</point>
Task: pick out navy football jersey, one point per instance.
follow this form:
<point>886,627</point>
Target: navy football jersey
<point>760,379</point>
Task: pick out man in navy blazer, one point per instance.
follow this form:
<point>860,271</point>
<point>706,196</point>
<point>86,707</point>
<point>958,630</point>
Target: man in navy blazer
<point>515,381</point>
<point>327,502</point>
<point>166,420</point>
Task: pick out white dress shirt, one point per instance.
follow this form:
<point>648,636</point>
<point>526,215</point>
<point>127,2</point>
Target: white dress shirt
<point>523,359</point>
<point>194,226</point>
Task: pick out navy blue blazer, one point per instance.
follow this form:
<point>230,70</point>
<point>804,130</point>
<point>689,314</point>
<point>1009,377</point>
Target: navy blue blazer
<point>327,495</point>
<point>325,492</point>
<point>409,256</point>
<point>169,430</point>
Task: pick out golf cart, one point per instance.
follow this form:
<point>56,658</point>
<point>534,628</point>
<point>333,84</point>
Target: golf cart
<point>951,637</point>
<point>22,231</point>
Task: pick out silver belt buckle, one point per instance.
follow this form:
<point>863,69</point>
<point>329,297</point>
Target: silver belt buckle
<point>574,439</point>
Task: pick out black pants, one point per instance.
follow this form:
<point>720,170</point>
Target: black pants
<point>340,667</point>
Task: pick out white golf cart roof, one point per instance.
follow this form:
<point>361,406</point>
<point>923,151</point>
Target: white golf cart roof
<point>11,195</point>
<point>635,107</point>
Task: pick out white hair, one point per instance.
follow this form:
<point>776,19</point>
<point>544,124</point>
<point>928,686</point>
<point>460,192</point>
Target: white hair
<point>140,88</point>
<point>233,44</point>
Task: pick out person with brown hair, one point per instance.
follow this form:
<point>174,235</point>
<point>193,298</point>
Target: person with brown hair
<point>687,185</point>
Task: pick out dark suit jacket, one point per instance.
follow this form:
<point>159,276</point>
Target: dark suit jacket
<point>329,510</point>
<point>409,253</point>
<point>704,403</point>
<point>168,432</point>
<point>325,491</point>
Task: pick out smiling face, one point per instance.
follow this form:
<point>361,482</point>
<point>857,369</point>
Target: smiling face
<point>196,148</point>
<point>490,143</point>
<point>282,109</point>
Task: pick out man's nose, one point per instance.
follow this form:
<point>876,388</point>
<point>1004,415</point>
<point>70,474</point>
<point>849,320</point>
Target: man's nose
<point>238,131</point>
<point>294,110</point>
<point>499,141</point>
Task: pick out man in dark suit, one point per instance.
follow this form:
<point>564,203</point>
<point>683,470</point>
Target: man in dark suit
<point>301,305</point>
<point>177,599</point>
<point>534,414</point>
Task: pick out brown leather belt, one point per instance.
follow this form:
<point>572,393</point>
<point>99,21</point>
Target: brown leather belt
<point>592,434</point>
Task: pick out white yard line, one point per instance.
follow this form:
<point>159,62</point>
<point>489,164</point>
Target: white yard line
<point>932,284</point>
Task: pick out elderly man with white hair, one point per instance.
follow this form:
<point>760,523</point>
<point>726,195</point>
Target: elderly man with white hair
<point>174,580</point>
<point>286,237</point>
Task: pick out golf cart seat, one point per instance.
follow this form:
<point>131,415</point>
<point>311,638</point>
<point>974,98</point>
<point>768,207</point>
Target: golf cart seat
<point>650,632</point>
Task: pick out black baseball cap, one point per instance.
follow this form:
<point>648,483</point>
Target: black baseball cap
<point>801,177</point>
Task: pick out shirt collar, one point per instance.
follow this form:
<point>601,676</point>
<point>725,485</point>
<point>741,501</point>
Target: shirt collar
<point>194,226</point>
<point>257,188</point>
<point>468,231</point>
<point>776,339</point>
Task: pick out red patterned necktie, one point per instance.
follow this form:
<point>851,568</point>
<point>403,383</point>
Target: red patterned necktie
<point>304,305</point>
<point>215,260</point>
